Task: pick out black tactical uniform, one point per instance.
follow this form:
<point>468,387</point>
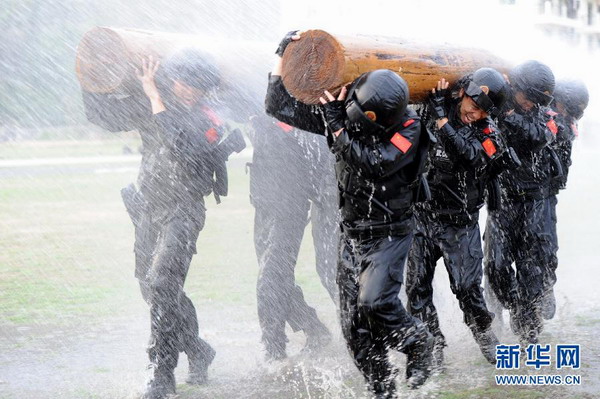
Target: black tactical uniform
<point>182,161</point>
<point>570,100</point>
<point>521,231</point>
<point>183,176</point>
<point>283,154</point>
<point>462,161</point>
<point>377,173</point>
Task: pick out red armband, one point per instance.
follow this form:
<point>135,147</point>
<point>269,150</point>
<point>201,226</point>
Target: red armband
<point>552,126</point>
<point>488,130</point>
<point>489,147</point>
<point>212,135</point>
<point>401,142</point>
<point>284,126</point>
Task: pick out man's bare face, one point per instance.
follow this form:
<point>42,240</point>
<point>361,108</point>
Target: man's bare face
<point>525,104</point>
<point>469,111</point>
<point>185,94</point>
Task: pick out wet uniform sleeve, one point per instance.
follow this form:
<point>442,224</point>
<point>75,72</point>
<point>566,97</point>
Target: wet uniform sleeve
<point>534,133</point>
<point>282,106</point>
<point>383,158</point>
<point>116,113</point>
<point>567,132</point>
<point>471,146</point>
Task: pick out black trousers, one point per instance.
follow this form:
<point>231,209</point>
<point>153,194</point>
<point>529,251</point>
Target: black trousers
<point>523,233</point>
<point>460,246</point>
<point>370,275</point>
<point>278,231</point>
<point>164,248</point>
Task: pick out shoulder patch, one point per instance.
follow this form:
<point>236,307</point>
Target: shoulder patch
<point>408,123</point>
<point>284,126</point>
<point>489,147</point>
<point>552,126</point>
<point>211,135</point>
<point>212,116</point>
<point>401,142</point>
<point>488,130</point>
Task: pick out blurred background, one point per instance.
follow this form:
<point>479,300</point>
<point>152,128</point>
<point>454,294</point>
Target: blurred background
<point>38,39</point>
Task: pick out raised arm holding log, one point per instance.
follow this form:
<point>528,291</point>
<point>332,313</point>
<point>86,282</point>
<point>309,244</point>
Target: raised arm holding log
<point>380,150</point>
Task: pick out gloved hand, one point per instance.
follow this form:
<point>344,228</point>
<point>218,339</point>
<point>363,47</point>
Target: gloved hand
<point>335,115</point>
<point>287,39</point>
<point>437,103</point>
<point>234,142</point>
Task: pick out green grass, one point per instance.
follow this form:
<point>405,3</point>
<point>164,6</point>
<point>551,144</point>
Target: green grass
<point>66,244</point>
<point>103,144</point>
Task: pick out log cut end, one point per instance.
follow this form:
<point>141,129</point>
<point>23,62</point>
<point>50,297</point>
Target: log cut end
<point>312,64</point>
<point>101,61</point>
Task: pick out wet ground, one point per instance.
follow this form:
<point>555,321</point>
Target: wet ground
<point>69,339</point>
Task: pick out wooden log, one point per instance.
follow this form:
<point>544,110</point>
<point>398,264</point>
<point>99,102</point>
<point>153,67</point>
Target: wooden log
<point>107,58</point>
<point>321,61</point>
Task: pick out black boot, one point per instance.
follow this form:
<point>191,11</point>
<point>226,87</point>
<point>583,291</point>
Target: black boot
<point>418,361</point>
<point>487,341</point>
<point>275,351</point>
<point>530,323</point>
<point>549,305</point>
<point>380,375</point>
<point>198,364</point>
<point>437,355</point>
<point>160,385</point>
<point>383,390</point>
<point>515,321</point>
<point>317,337</point>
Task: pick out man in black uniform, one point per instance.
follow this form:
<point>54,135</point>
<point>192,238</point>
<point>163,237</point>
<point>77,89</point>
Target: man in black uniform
<point>467,149</point>
<point>379,152</point>
<point>571,98</point>
<point>181,156</point>
<point>283,154</point>
<point>521,230</point>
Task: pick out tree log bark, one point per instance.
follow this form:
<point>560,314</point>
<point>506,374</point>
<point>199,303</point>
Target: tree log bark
<point>107,57</point>
<point>320,61</point>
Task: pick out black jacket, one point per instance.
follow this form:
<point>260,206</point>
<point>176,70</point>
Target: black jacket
<point>460,166</point>
<point>528,134</point>
<point>180,154</point>
<point>559,153</point>
<point>188,156</point>
<point>282,154</point>
<point>377,176</point>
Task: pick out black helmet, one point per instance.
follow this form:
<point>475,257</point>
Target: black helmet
<point>535,80</point>
<point>573,95</point>
<point>377,100</point>
<point>192,67</point>
<point>488,89</point>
